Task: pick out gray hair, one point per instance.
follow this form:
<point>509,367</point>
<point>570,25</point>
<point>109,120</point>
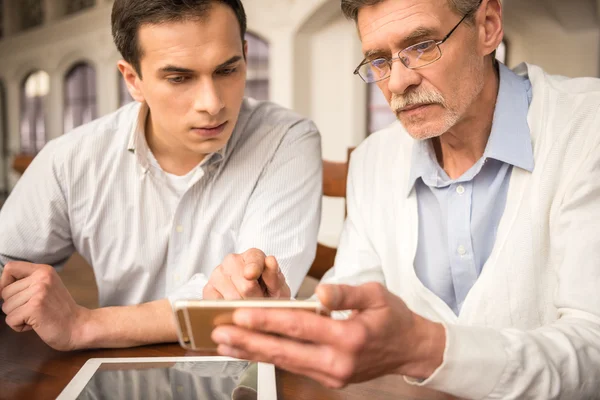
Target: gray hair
<point>350,8</point>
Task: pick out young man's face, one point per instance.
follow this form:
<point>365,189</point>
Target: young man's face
<point>193,79</point>
<point>454,81</point>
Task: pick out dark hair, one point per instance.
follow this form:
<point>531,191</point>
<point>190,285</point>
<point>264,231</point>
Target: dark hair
<point>129,15</point>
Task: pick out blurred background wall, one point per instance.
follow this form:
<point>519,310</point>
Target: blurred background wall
<point>58,68</point>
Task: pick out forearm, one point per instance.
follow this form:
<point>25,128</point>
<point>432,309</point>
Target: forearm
<point>128,326</point>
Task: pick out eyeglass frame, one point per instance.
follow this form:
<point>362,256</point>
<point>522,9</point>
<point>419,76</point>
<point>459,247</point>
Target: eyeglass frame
<point>390,61</point>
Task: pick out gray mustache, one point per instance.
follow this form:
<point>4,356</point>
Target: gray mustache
<point>416,98</point>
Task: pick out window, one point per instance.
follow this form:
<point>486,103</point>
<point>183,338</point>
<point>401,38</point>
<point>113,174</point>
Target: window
<point>34,90</point>
<point>32,13</point>
<point>80,96</point>
<point>379,114</point>
<point>257,83</point>
<point>74,6</point>
<point>124,96</point>
<point>501,52</point>
<point>1,19</point>
<point>4,146</point>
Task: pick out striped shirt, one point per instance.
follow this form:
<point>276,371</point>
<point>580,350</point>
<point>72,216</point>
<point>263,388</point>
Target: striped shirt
<point>98,191</point>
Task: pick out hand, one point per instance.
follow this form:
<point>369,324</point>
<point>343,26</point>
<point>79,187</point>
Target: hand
<point>35,298</point>
<point>382,336</point>
<point>248,275</point>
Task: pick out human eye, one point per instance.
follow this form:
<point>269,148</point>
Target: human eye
<point>227,71</point>
<point>378,63</point>
<point>423,46</point>
<point>420,53</point>
<point>179,79</point>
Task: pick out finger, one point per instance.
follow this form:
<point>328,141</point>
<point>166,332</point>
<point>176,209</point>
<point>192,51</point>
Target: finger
<point>254,263</point>
<point>247,289</point>
<point>17,319</point>
<point>13,271</point>
<point>224,285</point>
<point>210,293</point>
<point>345,297</point>
<point>272,275</point>
<point>18,299</point>
<point>322,378</point>
<point>296,324</point>
<point>16,287</point>
<point>285,353</point>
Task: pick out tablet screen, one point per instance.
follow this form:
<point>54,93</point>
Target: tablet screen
<point>226,380</point>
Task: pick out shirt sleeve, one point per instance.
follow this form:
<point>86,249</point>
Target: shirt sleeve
<point>557,361</point>
<point>34,221</point>
<point>284,211</point>
<point>192,289</point>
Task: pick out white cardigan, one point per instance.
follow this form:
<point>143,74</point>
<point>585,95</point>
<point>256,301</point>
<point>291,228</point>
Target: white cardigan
<point>530,326</point>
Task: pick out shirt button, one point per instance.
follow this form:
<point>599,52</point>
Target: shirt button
<point>179,228</point>
<point>460,189</point>
<point>177,278</point>
<point>461,250</point>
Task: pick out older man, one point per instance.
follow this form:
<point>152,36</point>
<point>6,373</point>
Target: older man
<point>478,213</point>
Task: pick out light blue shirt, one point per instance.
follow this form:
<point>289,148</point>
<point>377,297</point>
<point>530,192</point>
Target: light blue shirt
<point>458,219</point>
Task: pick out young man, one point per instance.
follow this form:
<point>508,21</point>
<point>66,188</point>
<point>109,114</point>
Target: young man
<point>478,213</point>
<point>156,195</point>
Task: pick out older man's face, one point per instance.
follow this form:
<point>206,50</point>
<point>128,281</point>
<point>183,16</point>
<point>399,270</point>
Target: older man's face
<point>428,101</point>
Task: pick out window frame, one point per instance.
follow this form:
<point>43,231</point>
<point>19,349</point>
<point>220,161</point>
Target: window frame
<point>87,101</point>
<point>39,108</point>
<point>259,81</point>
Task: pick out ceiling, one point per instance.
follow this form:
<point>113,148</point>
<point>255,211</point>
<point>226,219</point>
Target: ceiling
<point>572,15</point>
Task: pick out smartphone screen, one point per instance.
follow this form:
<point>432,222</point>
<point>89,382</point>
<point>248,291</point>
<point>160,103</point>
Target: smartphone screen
<point>196,319</point>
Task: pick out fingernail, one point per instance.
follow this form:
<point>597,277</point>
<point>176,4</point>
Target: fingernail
<point>242,318</point>
<point>329,295</point>
<point>219,336</point>
<point>335,295</point>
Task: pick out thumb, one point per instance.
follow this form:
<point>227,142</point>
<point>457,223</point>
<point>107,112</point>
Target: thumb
<point>346,297</point>
<point>271,275</point>
<point>254,264</point>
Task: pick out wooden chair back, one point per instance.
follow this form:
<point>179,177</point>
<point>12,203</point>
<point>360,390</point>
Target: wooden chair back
<point>21,162</point>
<point>335,175</point>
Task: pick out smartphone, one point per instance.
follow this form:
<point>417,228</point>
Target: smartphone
<point>196,319</point>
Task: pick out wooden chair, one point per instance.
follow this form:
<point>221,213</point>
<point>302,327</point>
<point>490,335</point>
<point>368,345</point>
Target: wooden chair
<point>335,175</point>
<point>21,162</point>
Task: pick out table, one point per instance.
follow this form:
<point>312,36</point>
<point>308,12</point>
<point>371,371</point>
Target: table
<point>29,369</point>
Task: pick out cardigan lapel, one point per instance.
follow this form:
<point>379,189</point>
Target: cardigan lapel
<point>406,228</point>
<point>519,182</point>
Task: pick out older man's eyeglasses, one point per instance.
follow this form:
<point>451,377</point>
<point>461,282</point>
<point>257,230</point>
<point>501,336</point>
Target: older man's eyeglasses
<point>416,56</point>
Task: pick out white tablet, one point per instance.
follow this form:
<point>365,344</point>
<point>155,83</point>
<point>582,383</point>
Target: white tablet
<point>172,378</point>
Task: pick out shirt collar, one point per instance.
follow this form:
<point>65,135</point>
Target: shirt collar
<point>137,138</point>
<point>510,138</point>
<point>138,145</point>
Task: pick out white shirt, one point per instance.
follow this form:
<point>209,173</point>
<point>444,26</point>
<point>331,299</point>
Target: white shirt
<point>95,191</point>
<point>530,325</point>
